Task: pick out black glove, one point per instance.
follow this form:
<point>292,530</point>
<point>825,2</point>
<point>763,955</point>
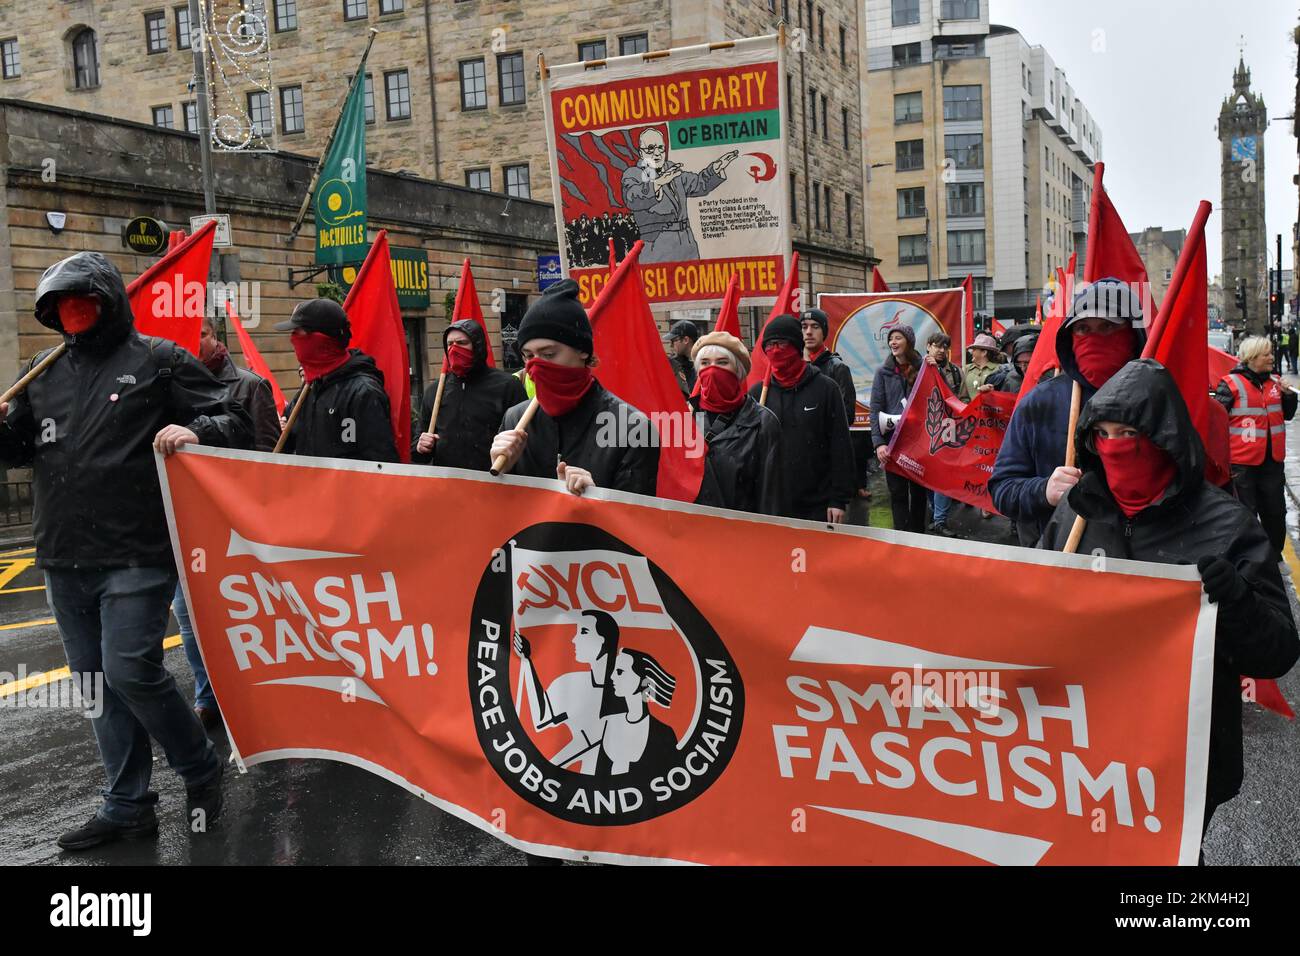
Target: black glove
<point>1222,582</point>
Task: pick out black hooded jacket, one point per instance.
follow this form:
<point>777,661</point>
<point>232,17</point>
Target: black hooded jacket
<point>345,415</point>
<point>254,395</point>
<point>590,437</point>
<point>817,455</point>
<point>1256,636</point>
<point>471,409</point>
<point>834,368</point>
<point>743,470</point>
<point>86,427</point>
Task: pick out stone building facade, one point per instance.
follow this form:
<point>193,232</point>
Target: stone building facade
<point>1159,249</point>
<point>1242,121</point>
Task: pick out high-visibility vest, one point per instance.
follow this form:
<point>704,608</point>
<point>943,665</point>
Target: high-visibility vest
<point>1255,420</point>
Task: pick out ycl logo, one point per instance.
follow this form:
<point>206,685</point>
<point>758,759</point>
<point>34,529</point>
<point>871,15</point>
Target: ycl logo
<point>600,693</point>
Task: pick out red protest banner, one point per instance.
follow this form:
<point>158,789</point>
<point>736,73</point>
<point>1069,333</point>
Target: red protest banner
<point>860,323</point>
<point>554,675</point>
<point>947,445</point>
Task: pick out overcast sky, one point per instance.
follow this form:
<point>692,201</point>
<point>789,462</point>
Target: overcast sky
<point>1154,73</point>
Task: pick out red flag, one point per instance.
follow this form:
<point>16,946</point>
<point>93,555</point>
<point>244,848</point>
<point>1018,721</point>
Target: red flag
<point>170,297</point>
<point>1176,339</point>
<point>1220,364</point>
<point>613,259</point>
<point>878,283</point>
<point>1111,253</point>
<point>997,327</point>
<point>968,322</point>
<point>758,368</point>
<point>729,314</point>
<point>253,358</point>
<point>377,330</point>
<point>624,335</point>
<point>1044,358</point>
<point>1269,696</point>
<point>467,307</point>
<point>1038,310</point>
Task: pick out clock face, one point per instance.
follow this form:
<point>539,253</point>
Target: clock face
<point>1243,148</point>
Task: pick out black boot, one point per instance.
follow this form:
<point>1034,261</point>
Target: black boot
<point>97,831</point>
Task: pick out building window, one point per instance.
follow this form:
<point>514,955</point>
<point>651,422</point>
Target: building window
<point>911,250</point>
<point>517,181</point>
<point>397,95</point>
<point>844,47</point>
<point>817,205</point>
<point>85,60</point>
<point>291,114</point>
<point>473,85</point>
<point>821,29</point>
<point>789,91</point>
<point>966,150</point>
<point>163,118</point>
<point>479,179</point>
<point>966,247</point>
<point>636,43</point>
<point>368,95</point>
<point>155,30</point>
<point>907,54</point>
<point>948,50</point>
<point>848,214</point>
<point>826,203</point>
<point>259,112</point>
<point>909,154</point>
<point>844,115</point>
<point>794,201</point>
<point>907,108</point>
<point>826,126</point>
<point>355,10</point>
<point>812,110</point>
<point>286,15</point>
<point>591,50</point>
<point>906,12</point>
<point>391,6</point>
<point>10,64</point>
<point>959,10</point>
<point>510,79</point>
<point>911,203</point>
<point>183,28</point>
<point>190,110</point>
<point>965,199</point>
<point>963,103</point>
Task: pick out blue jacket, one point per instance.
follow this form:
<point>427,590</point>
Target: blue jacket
<point>1034,445</point>
<point>888,390</point>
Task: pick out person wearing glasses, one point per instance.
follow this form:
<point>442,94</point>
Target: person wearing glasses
<point>1104,328</point>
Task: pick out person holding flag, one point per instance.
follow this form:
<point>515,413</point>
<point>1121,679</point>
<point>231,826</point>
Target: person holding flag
<point>345,411</point>
<point>1258,406</point>
<point>1143,492</point>
<point>474,400</point>
<point>743,469</point>
<point>580,433</point>
<point>815,444</point>
<point>1102,329</point>
<point>89,427</point>
<point>889,391</point>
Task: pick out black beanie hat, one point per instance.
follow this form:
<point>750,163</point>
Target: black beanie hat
<point>818,316</point>
<point>784,328</point>
<point>557,315</point>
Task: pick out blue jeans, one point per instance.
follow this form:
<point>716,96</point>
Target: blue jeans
<point>940,504</point>
<point>112,622</point>
<point>203,696</point>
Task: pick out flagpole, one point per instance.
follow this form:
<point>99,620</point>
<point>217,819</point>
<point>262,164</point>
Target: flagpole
<point>359,76</point>
<point>1076,531</point>
<point>499,463</point>
<point>37,369</point>
<point>437,398</point>
<point>293,417</point>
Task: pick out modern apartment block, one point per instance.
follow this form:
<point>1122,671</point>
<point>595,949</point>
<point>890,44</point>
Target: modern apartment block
<point>984,163</point>
<point>453,86</point>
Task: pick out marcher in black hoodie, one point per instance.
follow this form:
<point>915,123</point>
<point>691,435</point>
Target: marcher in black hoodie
<point>818,456</point>
<point>743,468</point>
<point>474,400</point>
<point>89,426</point>
<point>815,325</point>
<point>1145,497</point>
<point>346,411</point>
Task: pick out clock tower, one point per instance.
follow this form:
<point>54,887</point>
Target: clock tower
<point>1242,121</point>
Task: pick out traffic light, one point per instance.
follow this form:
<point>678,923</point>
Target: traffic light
<point>1241,297</point>
<point>1275,305</point>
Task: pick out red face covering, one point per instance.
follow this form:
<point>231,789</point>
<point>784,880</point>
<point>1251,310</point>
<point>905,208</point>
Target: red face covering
<point>460,360</point>
<point>1101,356</point>
<point>787,363</point>
<point>78,313</point>
<point>1137,470</point>
<point>719,390</point>
<point>318,354</point>
<point>559,387</point>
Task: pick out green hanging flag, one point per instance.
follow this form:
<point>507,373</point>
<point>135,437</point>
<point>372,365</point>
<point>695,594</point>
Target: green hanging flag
<point>340,198</point>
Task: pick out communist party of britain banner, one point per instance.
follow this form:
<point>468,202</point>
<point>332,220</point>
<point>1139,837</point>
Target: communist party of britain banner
<point>860,323</point>
<point>684,150</point>
<point>553,670</point>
